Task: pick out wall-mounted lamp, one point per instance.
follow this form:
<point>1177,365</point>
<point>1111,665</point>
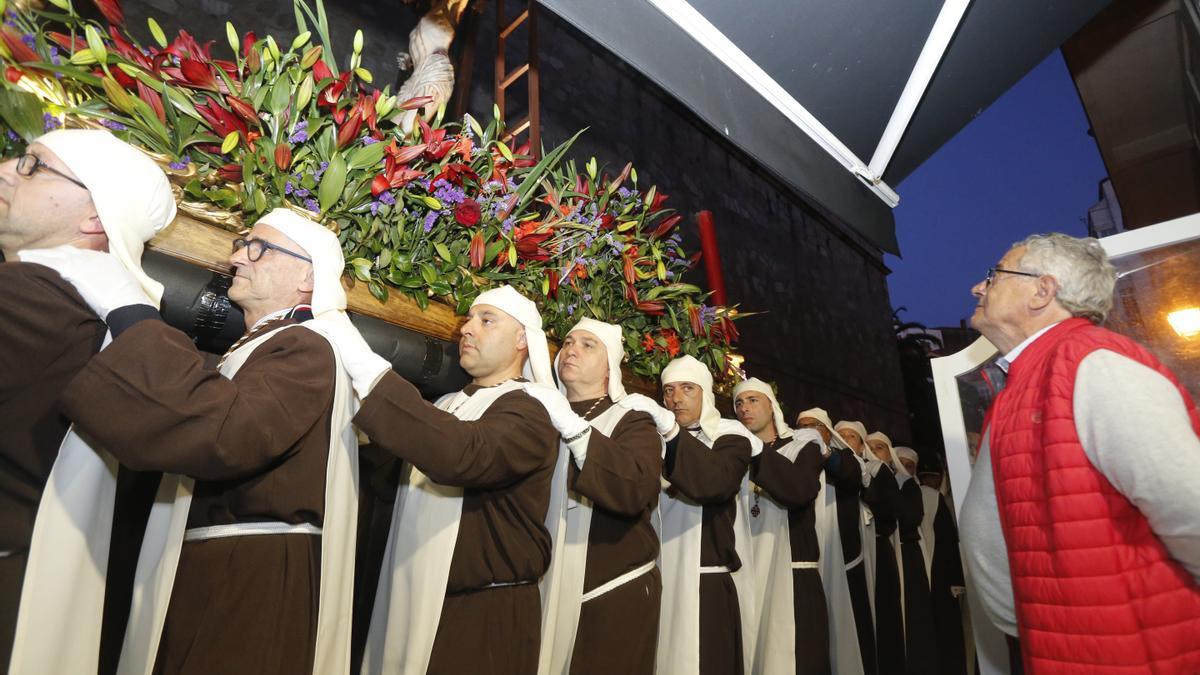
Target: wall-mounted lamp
<point>1186,322</point>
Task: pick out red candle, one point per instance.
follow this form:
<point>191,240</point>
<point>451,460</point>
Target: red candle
<point>712,256</point>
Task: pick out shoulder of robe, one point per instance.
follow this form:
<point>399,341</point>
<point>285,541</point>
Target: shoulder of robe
<point>518,399</point>
<point>17,276</point>
<point>309,348</point>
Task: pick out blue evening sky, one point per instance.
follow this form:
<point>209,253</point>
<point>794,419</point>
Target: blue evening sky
<point>1025,165</point>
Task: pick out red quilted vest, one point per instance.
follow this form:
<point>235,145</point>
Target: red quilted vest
<point>1096,592</point>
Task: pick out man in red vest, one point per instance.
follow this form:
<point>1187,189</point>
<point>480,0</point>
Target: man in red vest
<point>1081,525</point>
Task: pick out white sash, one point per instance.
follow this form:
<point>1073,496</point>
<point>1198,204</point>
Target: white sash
<point>775,649</point>
<point>844,653</point>
<point>561,605</point>
<point>679,525</point>
<point>416,564</point>
<point>62,595</point>
<point>165,531</point>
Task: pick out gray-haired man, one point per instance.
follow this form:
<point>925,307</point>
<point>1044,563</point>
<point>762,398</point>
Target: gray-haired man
<point>1087,477</point>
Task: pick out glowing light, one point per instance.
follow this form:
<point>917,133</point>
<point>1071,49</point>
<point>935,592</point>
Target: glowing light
<point>1186,322</point>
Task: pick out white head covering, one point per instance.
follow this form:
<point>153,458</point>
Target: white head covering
<point>755,384</point>
<point>689,369</point>
<point>902,451</point>
<point>131,193</point>
<point>326,252</point>
<point>880,436</point>
<point>614,344</point>
<point>855,426</point>
<point>821,416</point>
<point>508,300</point>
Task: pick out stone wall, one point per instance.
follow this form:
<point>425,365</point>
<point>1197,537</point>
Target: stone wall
<point>824,332</point>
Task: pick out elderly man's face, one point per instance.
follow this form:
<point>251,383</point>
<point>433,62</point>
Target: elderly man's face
<point>908,464</point>
<point>686,400</point>
<point>492,342</point>
<point>881,450</point>
<point>583,363</point>
<point>852,439</point>
<point>273,282</point>
<point>814,423</point>
<point>753,409</point>
<point>44,209</point>
<point>1002,305</point>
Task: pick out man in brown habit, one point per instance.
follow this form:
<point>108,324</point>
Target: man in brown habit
<point>707,614</point>
<point>247,564</point>
<point>73,189</point>
<point>793,634</point>
<point>604,579</point>
<point>469,540</point>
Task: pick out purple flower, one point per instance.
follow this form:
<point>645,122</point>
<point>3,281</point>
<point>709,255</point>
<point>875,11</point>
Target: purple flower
<point>50,122</point>
<point>181,164</point>
<point>570,310</point>
<point>321,171</point>
<point>369,140</point>
<point>12,136</point>
<point>387,198</point>
<point>430,219</point>
<point>448,194</point>
<point>300,134</point>
<point>300,193</point>
<point>587,297</point>
<point>374,208</point>
<point>29,41</point>
<point>287,188</point>
<point>507,225</point>
<point>312,205</point>
<point>115,126</point>
<point>707,314</point>
<point>54,57</point>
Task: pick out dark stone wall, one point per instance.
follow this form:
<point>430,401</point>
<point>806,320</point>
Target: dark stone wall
<point>824,332</point>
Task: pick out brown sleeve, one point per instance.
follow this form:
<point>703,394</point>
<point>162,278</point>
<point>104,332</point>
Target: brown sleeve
<point>151,402</point>
<point>792,484</point>
<point>620,474</point>
<point>883,494</point>
<point>707,475</point>
<point>41,319</point>
<point>511,440</point>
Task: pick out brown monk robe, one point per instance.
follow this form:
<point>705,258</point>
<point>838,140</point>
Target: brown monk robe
<point>883,496</point>
<point>47,335</point>
<point>257,446</point>
<point>505,461</point>
<point>920,641</point>
<point>712,477</point>
<point>618,631</point>
<point>795,486</point>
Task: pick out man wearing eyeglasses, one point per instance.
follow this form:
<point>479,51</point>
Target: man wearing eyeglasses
<point>74,191</point>
<point>1081,524</point>
<point>247,563</point>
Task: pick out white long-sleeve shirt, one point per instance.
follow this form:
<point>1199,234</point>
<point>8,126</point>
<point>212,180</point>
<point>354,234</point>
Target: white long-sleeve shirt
<point>1135,430</point>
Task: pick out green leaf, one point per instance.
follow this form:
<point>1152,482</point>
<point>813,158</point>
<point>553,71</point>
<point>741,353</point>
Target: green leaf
<point>361,268</point>
<point>332,183</point>
<point>378,291</point>
<point>22,112</point>
<point>366,156</point>
<point>444,252</point>
<point>428,273</point>
<point>474,124</point>
<point>281,94</point>
<point>96,45</point>
<point>230,142</point>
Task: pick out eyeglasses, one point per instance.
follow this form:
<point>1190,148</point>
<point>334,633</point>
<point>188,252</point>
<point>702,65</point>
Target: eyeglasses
<point>29,164</point>
<point>255,248</point>
<point>993,271</point>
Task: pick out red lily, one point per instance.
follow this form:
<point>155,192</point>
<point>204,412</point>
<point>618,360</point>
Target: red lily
<point>435,140</point>
<point>627,265</point>
<point>464,148</point>
<point>348,131</point>
<point>13,75</point>
<point>221,120</point>
<point>406,154</point>
<point>185,47</point>
<point>243,109</point>
<point>65,42</point>
<point>477,250</point>
<point>153,100</point>
<point>657,202</point>
<point>529,241</point>
<point>20,51</point>
<point>283,156</point>
<point>455,172</point>
<point>248,43</point>
<point>415,102</point>
<point>111,9</point>
<point>552,275</point>
<point>672,339</point>
<point>648,343</point>
<point>654,307</point>
<point>695,321</point>
<point>197,74</point>
<point>230,173</point>
<point>332,93</point>
<point>726,329</point>
<point>666,226</point>
<point>320,70</point>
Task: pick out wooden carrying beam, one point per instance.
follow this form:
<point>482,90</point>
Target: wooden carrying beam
<point>191,240</point>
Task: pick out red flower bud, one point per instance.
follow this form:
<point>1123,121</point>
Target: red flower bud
<point>283,156</point>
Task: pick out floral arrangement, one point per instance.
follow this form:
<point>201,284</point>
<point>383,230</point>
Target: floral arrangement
<point>442,211</point>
